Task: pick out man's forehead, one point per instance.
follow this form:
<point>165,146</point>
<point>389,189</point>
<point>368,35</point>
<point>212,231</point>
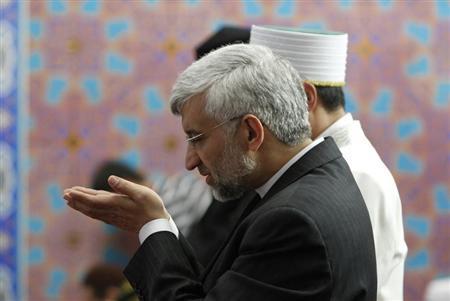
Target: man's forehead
<point>193,111</point>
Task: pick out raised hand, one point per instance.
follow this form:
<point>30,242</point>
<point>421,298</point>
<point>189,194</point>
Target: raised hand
<point>129,208</point>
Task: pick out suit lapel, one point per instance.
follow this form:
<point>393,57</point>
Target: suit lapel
<point>319,155</point>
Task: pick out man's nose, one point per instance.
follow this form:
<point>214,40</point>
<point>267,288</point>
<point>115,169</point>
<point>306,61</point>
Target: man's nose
<point>192,160</point>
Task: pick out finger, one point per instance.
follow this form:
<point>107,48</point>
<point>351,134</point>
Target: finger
<point>92,205</point>
<point>87,190</point>
<point>97,200</point>
<point>114,209</point>
<point>122,186</point>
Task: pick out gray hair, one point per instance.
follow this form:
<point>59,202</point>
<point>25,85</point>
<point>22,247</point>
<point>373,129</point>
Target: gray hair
<point>247,79</point>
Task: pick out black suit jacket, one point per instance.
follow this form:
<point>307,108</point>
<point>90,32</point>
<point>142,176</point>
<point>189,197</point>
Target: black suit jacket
<point>309,238</point>
<point>208,234</point>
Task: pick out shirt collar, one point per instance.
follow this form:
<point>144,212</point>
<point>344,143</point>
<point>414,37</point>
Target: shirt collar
<point>262,190</point>
<point>342,122</point>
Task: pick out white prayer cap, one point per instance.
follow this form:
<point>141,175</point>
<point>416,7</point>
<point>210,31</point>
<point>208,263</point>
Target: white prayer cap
<point>319,57</point>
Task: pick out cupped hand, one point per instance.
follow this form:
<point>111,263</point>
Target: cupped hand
<point>129,207</point>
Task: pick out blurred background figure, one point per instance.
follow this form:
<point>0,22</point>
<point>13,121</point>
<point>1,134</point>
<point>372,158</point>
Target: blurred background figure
<point>226,35</point>
<point>115,167</point>
<point>103,282</point>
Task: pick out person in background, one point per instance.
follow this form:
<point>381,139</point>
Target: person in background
<point>305,233</point>
<point>321,59</point>
<point>106,168</point>
<point>102,282</point>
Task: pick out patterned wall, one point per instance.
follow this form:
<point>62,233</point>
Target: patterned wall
<point>100,74</point>
<point>12,150</point>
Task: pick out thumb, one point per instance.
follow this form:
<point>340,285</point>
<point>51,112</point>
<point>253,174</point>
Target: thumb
<point>144,197</point>
<point>125,187</point>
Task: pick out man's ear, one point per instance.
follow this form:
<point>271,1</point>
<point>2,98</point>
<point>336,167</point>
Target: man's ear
<point>253,132</point>
<point>311,94</point>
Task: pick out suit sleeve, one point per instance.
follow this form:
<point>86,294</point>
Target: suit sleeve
<point>281,257</point>
<point>164,268</point>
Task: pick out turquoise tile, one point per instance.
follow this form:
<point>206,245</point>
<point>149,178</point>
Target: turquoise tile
<point>192,2</point>
<point>115,256</point>
<point>36,225</point>
<point>117,28</point>
<point>443,9</point>
<point>151,3</point>
<point>406,163</point>
<point>56,87</point>
<point>36,255</point>
<point>132,158</point>
<point>57,6</point>
<point>351,104</point>
<point>35,29</point>
<point>128,125</point>
<point>345,4</point>
<point>418,32</point>
<point>57,203</point>
<point>117,63</point>
<point>418,67</point>
<point>154,102</point>
<point>408,128</point>
<point>418,225</point>
<point>57,278</point>
<point>385,4</point>
<point>93,89</point>
<point>383,102</point>
<point>91,7</point>
<point>418,260</point>
<point>35,61</point>
<point>286,8</point>
<point>442,98</point>
<point>441,198</point>
<point>252,8</point>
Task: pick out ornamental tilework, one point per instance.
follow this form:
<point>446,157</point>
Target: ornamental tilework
<point>11,156</point>
<point>100,74</point>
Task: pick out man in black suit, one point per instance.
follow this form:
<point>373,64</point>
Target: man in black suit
<point>303,233</point>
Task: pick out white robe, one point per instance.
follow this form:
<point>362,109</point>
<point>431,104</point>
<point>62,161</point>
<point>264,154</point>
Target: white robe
<point>382,199</point>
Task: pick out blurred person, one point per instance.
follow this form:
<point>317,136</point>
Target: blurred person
<point>101,173</point>
<point>321,59</point>
<point>102,283</point>
<point>305,232</point>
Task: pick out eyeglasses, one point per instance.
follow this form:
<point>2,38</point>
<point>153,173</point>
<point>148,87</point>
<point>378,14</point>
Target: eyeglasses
<point>192,140</point>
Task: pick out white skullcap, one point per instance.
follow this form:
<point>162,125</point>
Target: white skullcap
<point>319,57</point>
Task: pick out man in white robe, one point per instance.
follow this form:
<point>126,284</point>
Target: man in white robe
<point>321,59</point>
